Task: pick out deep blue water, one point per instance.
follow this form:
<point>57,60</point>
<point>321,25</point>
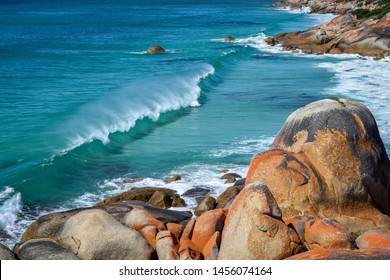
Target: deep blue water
<point>83,108</point>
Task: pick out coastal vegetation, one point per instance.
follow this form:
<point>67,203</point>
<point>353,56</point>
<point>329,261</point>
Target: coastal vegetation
<point>377,13</point>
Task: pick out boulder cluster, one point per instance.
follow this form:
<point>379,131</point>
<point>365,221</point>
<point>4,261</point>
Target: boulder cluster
<point>322,191</point>
<point>344,34</point>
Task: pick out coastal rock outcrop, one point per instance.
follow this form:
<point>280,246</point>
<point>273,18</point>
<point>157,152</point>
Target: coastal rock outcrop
<point>328,160</point>
<point>344,34</point>
<point>95,235</point>
<point>324,181</point>
<point>254,228</point>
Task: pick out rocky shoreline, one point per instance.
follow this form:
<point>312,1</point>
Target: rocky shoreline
<point>322,191</point>
<point>346,34</point>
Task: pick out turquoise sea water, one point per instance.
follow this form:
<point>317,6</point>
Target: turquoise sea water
<point>83,108</point>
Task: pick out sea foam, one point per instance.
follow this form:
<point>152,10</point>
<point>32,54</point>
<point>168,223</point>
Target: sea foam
<point>367,81</point>
<point>11,206</point>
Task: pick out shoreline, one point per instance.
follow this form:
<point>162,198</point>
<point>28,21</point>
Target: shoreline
<point>284,209</point>
<point>169,235</point>
<point>345,34</point>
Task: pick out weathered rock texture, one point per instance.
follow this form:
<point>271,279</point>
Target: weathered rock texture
<point>328,160</point>
<point>254,228</point>
<point>5,253</point>
<point>344,34</point>
<point>331,254</point>
<point>43,249</point>
<point>95,235</point>
<point>374,239</point>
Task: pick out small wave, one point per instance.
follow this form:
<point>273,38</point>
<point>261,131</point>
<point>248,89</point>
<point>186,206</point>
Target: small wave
<point>245,147</point>
<point>120,111</point>
<point>6,193</point>
<point>302,10</point>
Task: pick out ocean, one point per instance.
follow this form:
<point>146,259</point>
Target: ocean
<point>85,113</point>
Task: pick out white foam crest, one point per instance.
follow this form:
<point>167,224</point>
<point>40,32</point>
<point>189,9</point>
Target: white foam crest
<point>119,112</point>
<point>302,10</point>
<point>257,42</point>
<point>6,193</point>
<point>367,81</point>
<point>244,147</point>
<point>9,211</point>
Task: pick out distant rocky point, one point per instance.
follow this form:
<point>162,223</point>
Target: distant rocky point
<point>362,27</point>
<point>322,191</point>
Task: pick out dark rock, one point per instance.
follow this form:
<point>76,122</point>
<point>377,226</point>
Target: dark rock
<point>198,193</point>
<point>5,253</point>
<point>229,39</point>
<point>43,249</point>
<point>172,179</point>
<point>160,199</point>
<point>208,203</point>
<point>228,196</point>
<point>270,41</point>
<point>163,215</point>
<point>230,177</point>
<point>141,194</point>
<point>155,50</point>
<point>240,182</point>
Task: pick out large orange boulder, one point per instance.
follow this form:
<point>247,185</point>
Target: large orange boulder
<point>374,239</point>
<point>206,225</point>
<point>333,254</point>
<point>328,160</point>
<point>254,228</point>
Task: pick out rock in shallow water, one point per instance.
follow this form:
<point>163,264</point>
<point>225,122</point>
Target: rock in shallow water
<point>155,50</point>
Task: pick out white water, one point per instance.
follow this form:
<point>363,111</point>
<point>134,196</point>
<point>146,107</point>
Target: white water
<point>120,111</point>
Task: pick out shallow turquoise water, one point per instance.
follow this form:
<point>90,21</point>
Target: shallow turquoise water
<point>83,107</point>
